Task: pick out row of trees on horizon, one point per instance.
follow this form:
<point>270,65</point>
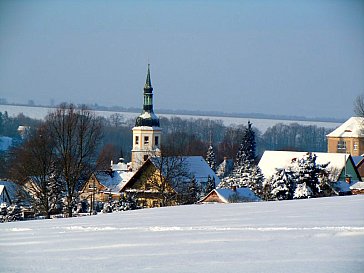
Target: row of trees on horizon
<point>189,136</point>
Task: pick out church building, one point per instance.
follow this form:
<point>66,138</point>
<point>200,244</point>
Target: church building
<point>146,132</point>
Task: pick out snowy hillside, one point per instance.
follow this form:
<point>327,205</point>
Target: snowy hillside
<point>314,235</point>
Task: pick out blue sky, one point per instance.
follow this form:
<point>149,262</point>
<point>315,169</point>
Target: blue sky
<point>301,58</point>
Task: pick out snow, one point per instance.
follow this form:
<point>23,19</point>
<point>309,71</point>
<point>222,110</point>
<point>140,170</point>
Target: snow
<point>148,115</point>
<point>313,235</point>
<point>261,124</point>
<point>353,127</point>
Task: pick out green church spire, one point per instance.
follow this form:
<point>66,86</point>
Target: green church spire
<point>148,118</point>
<point>148,83</point>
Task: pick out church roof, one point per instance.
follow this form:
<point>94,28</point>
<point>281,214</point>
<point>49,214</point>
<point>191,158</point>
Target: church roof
<point>353,127</point>
<point>147,119</point>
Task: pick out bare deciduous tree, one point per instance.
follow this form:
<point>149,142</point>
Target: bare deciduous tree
<point>33,166</point>
<point>76,133</point>
<point>359,106</point>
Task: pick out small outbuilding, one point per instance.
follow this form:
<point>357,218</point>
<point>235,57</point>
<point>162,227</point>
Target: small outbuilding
<point>234,195</point>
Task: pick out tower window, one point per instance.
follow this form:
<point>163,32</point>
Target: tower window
<point>156,141</point>
<point>145,157</point>
<point>136,139</point>
<point>146,140</point>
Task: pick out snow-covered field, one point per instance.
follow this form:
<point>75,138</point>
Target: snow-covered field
<point>316,235</point>
<point>261,124</point>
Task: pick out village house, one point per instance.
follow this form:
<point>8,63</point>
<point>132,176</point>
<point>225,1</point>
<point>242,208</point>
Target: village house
<point>347,138</point>
<point>104,186</point>
<point>341,167</point>
<point>163,181</point>
<point>233,195</point>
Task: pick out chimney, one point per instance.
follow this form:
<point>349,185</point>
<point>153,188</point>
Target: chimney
<point>348,179</point>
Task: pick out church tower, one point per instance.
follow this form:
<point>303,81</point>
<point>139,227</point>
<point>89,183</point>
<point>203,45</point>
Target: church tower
<point>147,132</point>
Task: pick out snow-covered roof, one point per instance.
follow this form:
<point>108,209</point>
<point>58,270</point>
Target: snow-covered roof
<point>199,168</point>
<point>146,128</point>
<point>357,186</point>
<point>353,127</point>
<point>273,160</point>
<point>342,186</point>
<point>196,166</point>
<point>113,180</point>
<point>357,159</point>
<point>5,143</point>
<point>148,115</point>
<point>120,166</point>
<point>243,194</point>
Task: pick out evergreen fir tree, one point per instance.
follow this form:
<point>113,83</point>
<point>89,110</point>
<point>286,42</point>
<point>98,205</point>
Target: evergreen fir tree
<point>280,185</point>
<point>210,185</point>
<point>255,181</point>
<point>307,177</point>
<point>226,183</point>
<point>210,158</point>
<point>247,148</point>
<point>55,194</point>
<point>192,192</point>
<point>245,172</point>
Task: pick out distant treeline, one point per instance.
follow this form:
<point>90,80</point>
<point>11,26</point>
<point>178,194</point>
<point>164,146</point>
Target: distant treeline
<point>207,114</point>
<point>190,136</point>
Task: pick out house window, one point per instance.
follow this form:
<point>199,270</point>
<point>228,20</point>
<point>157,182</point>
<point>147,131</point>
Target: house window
<point>146,140</point>
<point>355,146</point>
<point>156,141</point>
<point>136,139</point>
<point>341,145</point>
